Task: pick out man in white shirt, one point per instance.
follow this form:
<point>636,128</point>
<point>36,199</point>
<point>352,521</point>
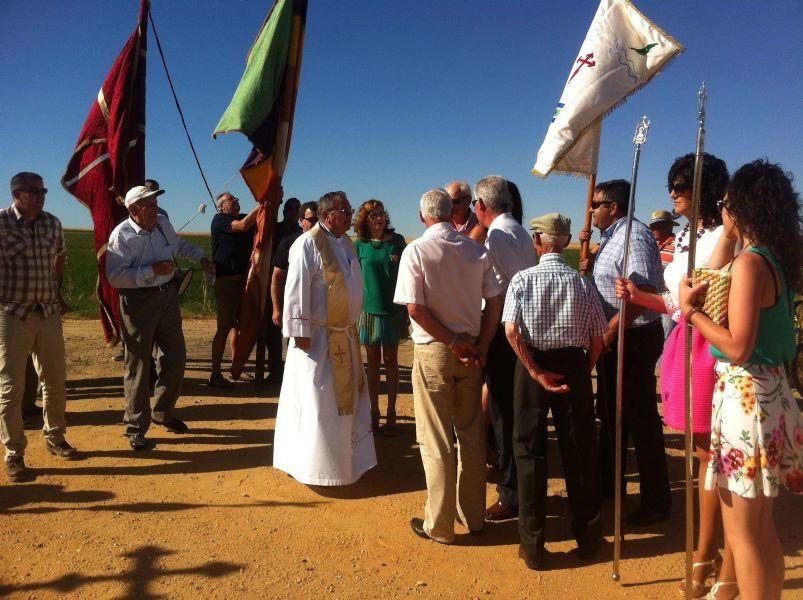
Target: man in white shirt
<point>140,264</point>
<point>510,249</point>
<point>443,278</point>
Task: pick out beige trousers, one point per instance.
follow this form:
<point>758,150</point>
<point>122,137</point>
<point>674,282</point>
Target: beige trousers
<point>44,338</point>
<point>447,401</point>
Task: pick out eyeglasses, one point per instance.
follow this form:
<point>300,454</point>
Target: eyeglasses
<point>35,190</point>
<point>596,205</point>
<point>311,220</point>
<point>461,199</point>
<point>344,211</point>
<point>378,215</point>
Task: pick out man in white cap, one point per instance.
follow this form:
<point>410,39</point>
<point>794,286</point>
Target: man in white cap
<point>139,262</point>
<point>554,322</point>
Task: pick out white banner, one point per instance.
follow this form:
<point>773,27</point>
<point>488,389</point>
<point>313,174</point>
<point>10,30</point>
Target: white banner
<point>622,51</point>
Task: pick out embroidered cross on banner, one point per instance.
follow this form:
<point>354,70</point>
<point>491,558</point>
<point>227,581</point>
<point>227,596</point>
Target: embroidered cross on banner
<point>584,61</point>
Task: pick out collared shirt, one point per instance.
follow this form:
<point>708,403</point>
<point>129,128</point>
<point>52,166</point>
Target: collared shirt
<point>470,224</point>
<point>644,266</point>
<point>449,274</point>
<point>27,278</point>
<point>510,248</point>
<point>132,251</point>
<point>553,306</point>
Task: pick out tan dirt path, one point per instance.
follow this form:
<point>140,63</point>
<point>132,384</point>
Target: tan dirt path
<point>205,515</point>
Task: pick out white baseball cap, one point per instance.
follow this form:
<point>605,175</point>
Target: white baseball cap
<point>140,192</point>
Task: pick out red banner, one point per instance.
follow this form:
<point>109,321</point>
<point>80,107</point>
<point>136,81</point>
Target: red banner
<point>109,157</point>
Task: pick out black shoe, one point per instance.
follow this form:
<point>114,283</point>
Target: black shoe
<point>534,561</point>
<point>139,443</point>
<point>643,516</point>
<point>15,469</point>
<point>62,450</point>
<point>174,425</point>
<point>417,525</point>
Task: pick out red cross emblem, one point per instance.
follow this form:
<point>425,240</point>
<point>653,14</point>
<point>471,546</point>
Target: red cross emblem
<point>584,61</point>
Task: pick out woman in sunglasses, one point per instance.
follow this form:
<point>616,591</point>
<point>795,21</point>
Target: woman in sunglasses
<point>382,323</point>
<point>756,430</point>
<point>712,250</point>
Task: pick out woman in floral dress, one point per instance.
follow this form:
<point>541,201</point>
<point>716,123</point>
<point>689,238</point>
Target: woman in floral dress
<point>756,437</point>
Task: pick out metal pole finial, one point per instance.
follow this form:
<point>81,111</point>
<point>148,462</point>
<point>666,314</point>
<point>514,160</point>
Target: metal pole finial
<point>642,127</point>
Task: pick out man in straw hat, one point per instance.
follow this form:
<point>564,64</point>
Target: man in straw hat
<point>139,262</point>
<point>662,226</point>
<point>554,322</point>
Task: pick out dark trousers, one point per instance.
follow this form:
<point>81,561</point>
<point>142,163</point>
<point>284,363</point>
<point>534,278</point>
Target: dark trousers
<point>151,316</point>
<point>573,417</point>
<point>640,420</point>
<point>29,408</point>
<point>499,369</point>
<point>273,341</point>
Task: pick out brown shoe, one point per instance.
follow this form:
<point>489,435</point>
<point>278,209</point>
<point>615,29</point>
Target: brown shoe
<point>62,450</point>
<point>501,512</point>
<point>15,469</point>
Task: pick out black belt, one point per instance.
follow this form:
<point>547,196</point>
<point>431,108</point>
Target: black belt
<point>156,288</point>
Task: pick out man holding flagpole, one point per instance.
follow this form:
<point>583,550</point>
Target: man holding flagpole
<point>643,345</point>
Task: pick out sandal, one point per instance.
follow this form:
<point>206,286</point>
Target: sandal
<point>390,429</point>
<point>712,594</point>
<point>698,588</point>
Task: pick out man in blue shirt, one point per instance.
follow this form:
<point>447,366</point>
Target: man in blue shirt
<point>642,347</point>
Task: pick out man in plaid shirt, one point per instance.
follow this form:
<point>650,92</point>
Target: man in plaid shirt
<point>31,262</point>
<point>552,316</point>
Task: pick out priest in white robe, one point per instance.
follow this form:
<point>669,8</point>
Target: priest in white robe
<point>323,425</point>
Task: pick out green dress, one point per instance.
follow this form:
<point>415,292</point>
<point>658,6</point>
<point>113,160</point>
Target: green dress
<point>381,322</point>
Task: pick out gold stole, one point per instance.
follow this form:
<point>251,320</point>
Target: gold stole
<point>342,337</point>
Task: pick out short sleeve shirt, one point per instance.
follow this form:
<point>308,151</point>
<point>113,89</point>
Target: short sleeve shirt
<point>231,250</point>
<point>644,266</point>
<point>281,258</point>
<point>450,274</point>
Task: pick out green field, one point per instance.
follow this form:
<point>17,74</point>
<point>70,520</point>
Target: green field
<point>80,277</point>
<point>81,274</point>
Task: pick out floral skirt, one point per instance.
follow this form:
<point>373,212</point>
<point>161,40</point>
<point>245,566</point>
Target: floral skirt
<point>756,432</point>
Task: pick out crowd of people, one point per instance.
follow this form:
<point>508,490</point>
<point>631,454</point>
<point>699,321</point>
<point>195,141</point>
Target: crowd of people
<point>504,333</point>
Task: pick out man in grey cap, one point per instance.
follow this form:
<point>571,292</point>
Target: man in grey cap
<point>554,322</point>
<point>139,262</point>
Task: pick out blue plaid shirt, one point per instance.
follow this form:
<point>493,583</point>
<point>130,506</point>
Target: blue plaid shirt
<point>553,306</point>
<point>644,264</point>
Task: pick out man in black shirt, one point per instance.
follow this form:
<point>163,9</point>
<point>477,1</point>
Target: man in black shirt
<point>281,260</point>
<point>232,239</point>
<point>271,334</point>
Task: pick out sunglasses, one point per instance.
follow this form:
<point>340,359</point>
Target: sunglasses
<point>35,190</point>
<point>677,187</point>
<point>377,216</point>
<point>722,204</point>
<point>312,220</point>
<point>596,205</point>
<point>461,199</point>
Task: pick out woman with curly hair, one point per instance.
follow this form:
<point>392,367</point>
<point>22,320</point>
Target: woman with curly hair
<point>756,435</point>
<point>382,323</point>
<point>709,253</point>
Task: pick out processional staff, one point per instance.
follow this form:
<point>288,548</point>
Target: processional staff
<point>702,96</point>
<point>639,138</point>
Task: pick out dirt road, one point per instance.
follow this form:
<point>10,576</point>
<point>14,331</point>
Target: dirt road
<point>205,515</point>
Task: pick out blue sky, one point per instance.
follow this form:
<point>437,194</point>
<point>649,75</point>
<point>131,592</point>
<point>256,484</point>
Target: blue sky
<point>398,97</point>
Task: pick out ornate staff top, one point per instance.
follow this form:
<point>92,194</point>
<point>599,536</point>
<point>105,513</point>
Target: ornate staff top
<point>642,128</point>
<point>702,99</point>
